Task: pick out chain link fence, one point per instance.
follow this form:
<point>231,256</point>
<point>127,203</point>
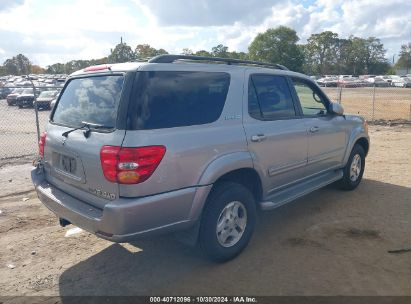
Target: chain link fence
<point>18,123</point>
<point>374,103</point>
<point>22,118</point>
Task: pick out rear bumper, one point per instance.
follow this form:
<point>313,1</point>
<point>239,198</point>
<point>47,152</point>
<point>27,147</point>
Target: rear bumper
<point>126,218</point>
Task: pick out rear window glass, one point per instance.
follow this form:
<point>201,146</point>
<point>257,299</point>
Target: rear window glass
<point>92,99</point>
<point>173,99</point>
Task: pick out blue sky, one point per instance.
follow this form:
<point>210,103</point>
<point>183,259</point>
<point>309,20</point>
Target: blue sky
<point>50,31</point>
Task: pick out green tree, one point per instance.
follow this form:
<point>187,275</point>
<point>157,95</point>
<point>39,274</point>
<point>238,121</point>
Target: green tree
<point>3,71</point>
<point>344,54</point>
<point>321,51</point>
<point>405,57</point>
<point>10,67</point>
<point>121,53</point>
<point>103,60</point>
<point>366,56</point>
<point>220,51</point>
<point>18,65</point>
<point>278,45</point>
<point>144,51</point>
<point>203,53</point>
<point>56,68</point>
<point>374,58</point>
<point>36,69</point>
<point>238,55</point>
<point>75,65</point>
<point>357,55</point>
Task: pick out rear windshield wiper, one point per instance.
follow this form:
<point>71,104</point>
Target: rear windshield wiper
<point>89,126</point>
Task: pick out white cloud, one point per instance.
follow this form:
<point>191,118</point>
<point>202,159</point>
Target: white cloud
<point>48,31</point>
<point>207,12</point>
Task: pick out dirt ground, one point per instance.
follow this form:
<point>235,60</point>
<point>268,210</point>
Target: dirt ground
<point>389,103</point>
<point>327,243</point>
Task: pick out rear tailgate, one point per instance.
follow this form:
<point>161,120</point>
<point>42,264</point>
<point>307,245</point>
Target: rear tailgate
<point>73,164</point>
<point>72,157</point>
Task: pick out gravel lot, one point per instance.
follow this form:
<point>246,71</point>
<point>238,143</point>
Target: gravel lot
<point>328,243</point>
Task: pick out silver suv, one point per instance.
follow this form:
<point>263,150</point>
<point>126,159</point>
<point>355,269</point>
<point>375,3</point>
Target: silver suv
<point>191,145</point>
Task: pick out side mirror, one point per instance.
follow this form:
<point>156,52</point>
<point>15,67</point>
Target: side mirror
<point>336,108</point>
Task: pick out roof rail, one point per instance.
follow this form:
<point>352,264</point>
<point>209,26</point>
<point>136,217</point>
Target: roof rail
<point>229,61</point>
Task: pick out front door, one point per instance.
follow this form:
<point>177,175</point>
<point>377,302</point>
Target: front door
<point>327,134</point>
<point>276,135</point>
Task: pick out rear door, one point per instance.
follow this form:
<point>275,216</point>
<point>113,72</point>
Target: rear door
<point>72,152</point>
<point>276,135</point>
<point>193,114</point>
<point>327,135</point>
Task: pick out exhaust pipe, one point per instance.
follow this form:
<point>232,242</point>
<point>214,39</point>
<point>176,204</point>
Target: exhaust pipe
<point>63,222</point>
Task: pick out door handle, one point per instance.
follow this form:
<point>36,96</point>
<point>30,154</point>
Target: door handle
<point>258,137</point>
<point>314,129</point>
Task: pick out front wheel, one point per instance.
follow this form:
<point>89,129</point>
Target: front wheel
<point>354,169</point>
<point>228,221</point>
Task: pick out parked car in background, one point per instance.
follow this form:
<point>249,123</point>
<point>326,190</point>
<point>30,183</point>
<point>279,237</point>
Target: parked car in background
<point>328,81</point>
<point>382,81</point>
<point>402,82</point>
<point>4,91</point>
<point>45,98</point>
<point>397,81</point>
<point>407,82</point>
<point>351,82</point>
<point>12,97</point>
<point>25,99</point>
<point>368,80</point>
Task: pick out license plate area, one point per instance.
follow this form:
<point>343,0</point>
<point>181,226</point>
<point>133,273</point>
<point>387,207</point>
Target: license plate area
<point>68,164</point>
<point>68,168</point>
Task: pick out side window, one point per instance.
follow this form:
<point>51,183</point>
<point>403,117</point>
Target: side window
<point>269,98</point>
<point>167,99</point>
<point>310,100</point>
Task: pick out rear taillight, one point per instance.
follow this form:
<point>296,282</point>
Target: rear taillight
<point>130,165</point>
<point>42,143</point>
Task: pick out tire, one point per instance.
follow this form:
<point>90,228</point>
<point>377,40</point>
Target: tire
<point>224,201</point>
<point>351,179</point>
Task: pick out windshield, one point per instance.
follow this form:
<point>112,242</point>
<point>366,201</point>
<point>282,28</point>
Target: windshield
<point>92,99</point>
<point>47,94</point>
<point>17,91</point>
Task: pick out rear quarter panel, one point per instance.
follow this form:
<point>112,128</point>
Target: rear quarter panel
<point>190,150</point>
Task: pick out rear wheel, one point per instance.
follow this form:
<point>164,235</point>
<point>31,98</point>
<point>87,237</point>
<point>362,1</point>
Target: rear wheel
<point>228,221</point>
<point>354,169</point>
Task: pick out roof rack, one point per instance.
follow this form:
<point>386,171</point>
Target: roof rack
<point>229,61</point>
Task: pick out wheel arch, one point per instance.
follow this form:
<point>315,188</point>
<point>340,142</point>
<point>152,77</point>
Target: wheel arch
<point>246,176</point>
<point>364,143</point>
<point>360,138</point>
